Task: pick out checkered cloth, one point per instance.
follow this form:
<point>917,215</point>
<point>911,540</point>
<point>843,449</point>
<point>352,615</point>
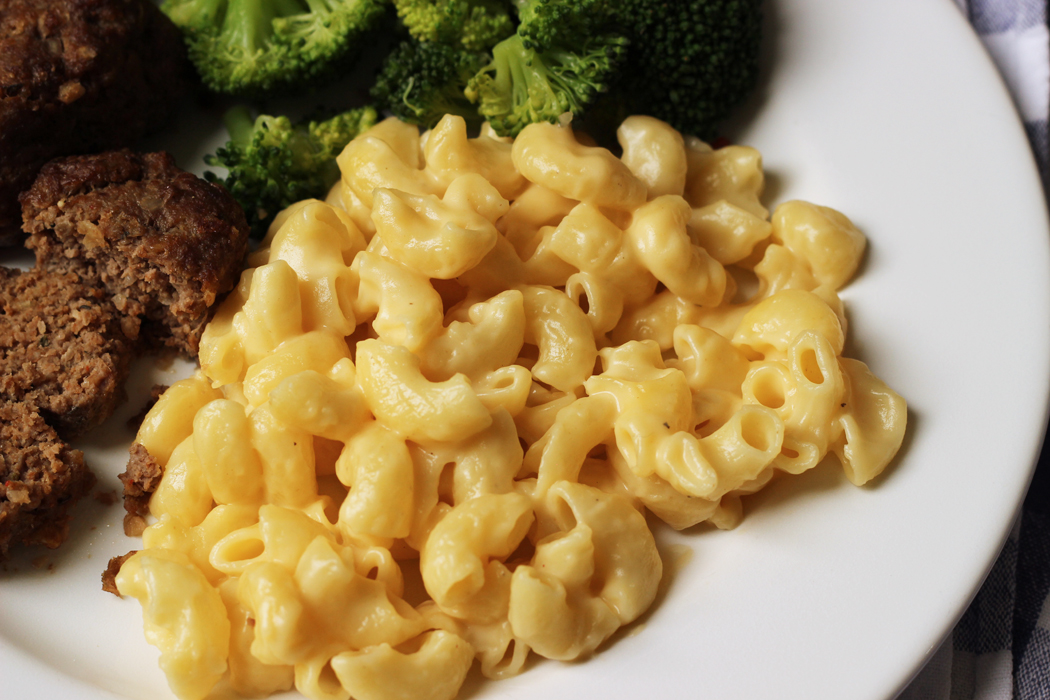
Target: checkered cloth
<point>1000,650</point>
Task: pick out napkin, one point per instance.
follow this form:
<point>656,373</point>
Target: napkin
<point>1000,649</point>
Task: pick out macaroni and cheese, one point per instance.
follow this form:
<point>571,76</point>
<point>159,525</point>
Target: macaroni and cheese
<point>487,360</point>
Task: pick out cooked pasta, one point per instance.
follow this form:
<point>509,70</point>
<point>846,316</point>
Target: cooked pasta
<point>489,359</point>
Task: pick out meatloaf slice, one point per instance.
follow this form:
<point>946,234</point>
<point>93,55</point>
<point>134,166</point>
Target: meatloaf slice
<point>62,349</point>
<point>80,76</point>
<point>40,478</point>
<point>163,242</point>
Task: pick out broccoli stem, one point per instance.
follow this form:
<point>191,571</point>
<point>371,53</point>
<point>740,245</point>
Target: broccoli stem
<point>249,23</point>
<point>523,76</point>
<point>321,7</point>
<point>283,8</point>
<point>197,14</point>
<point>506,58</point>
<point>240,123</point>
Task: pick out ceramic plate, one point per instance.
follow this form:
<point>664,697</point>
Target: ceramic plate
<point>890,111</point>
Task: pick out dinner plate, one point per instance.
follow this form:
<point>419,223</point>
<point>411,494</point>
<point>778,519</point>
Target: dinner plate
<point>890,111</point>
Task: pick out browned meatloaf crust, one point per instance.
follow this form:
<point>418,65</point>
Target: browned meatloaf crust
<point>131,254</point>
<point>162,242</point>
<point>109,576</point>
<point>141,478</point>
<point>40,477</point>
<point>79,76</point>
<point>62,350</point>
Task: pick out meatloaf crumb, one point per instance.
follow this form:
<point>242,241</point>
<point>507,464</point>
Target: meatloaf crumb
<point>109,576</point>
<point>140,479</point>
<point>62,350</point>
<point>164,243</point>
<point>40,478</point>
<point>79,76</point>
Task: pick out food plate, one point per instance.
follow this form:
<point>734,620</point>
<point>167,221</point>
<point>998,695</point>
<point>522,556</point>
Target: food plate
<point>890,111</point>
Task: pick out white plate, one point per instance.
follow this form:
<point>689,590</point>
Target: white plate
<point>890,111</point>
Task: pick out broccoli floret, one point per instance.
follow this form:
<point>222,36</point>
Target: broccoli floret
<point>687,62</point>
<point>547,23</point>
<point>273,163</point>
<point>422,81</point>
<point>521,85</point>
<point>690,62</point>
<point>256,47</point>
<point>475,25</point>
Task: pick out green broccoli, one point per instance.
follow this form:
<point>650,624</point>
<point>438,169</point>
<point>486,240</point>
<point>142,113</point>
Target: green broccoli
<point>690,62</point>
<point>522,85</point>
<point>474,25</point>
<point>256,47</point>
<point>272,163</point>
<point>547,23</point>
<point>687,62</point>
<point>422,81</point>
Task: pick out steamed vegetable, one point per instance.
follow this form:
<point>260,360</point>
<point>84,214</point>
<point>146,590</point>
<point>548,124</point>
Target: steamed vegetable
<point>522,85</point>
<point>422,81</point>
<point>259,47</point>
<point>273,163</point>
<point>474,25</point>
<point>687,62</point>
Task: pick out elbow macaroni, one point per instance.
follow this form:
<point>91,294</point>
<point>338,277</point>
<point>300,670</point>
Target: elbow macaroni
<point>489,359</point>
